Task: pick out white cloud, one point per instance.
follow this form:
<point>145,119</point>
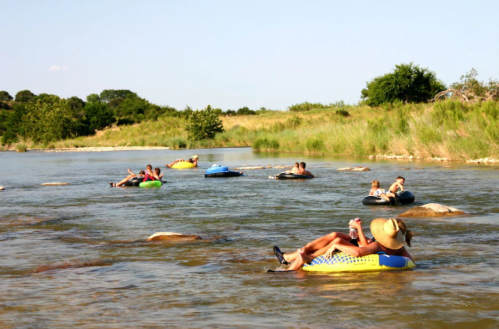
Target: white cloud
<point>58,68</point>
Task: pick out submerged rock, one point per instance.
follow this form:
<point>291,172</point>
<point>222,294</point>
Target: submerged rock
<point>431,210</point>
<point>54,184</point>
<point>360,168</point>
<point>71,264</point>
<point>172,236</point>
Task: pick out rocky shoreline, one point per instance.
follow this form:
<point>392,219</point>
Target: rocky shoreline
<point>436,159</point>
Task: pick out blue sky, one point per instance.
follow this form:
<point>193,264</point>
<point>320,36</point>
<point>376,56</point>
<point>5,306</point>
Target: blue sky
<point>231,54</point>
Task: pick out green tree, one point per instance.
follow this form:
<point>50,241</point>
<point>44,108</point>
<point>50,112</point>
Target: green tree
<point>46,122</point>
<point>132,109</point>
<point>109,94</point>
<point>245,111</point>
<point>97,115</point>
<point>76,103</point>
<point>5,96</point>
<point>408,83</point>
<point>204,124</point>
<point>93,98</point>
<point>24,96</point>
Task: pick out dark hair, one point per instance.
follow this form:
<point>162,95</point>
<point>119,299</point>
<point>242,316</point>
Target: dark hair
<point>157,171</point>
<point>297,164</point>
<point>190,160</point>
<point>142,172</point>
<point>149,166</point>
<point>303,164</point>
<point>400,177</point>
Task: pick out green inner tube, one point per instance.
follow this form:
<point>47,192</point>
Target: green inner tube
<point>153,183</point>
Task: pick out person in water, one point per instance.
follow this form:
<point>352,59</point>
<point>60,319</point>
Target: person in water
<point>157,171</point>
<point>379,192</point>
<point>193,159</point>
<point>151,175</point>
<point>321,245</point>
<point>295,169</point>
<point>399,184</point>
<point>303,171</point>
<point>141,175</point>
<point>389,237</point>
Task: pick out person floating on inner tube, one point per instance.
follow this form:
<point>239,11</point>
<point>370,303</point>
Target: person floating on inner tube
<point>152,175</point>
<point>141,174</point>
<point>399,184</point>
<point>379,192</point>
<point>193,159</point>
<point>389,237</point>
<point>295,170</point>
<point>303,171</point>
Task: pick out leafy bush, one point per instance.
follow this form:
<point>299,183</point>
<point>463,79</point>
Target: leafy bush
<point>203,125</point>
<point>24,96</point>
<point>343,113</point>
<point>5,96</point>
<point>21,147</point>
<point>408,83</point>
<point>245,111</point>
<point>303,107</point>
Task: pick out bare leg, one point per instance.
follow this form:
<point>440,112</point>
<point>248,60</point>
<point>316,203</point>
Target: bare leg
<point>317,244</point>
<point>174,162</point>
<point>124,180</point>
<point>300,261</point>
<point>385,196</point>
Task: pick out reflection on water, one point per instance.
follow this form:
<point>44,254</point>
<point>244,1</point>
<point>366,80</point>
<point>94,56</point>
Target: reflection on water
<point>76,255</point>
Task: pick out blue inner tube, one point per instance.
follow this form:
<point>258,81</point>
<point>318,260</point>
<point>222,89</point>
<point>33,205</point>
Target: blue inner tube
<point>224,174</point>
<point>405,197</point>
<point>284,175</point>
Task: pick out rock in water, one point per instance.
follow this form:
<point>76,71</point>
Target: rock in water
<point>431,210</point>
<point>172,236</point>
<point>360,168</point>
<point>54,184</point>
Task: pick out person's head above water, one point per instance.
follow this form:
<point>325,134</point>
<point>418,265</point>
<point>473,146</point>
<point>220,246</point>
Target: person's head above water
<point>195,157</point>
<point>157,171</point>
<point>142,172</point>
<point>297,164</point>
<point>149,167</point>
<point>375,184</point>
<point>400,180</point>
<point>303,165</point>
<point>391,233</point>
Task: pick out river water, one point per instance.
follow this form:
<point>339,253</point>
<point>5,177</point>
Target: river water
<point>49,234</point>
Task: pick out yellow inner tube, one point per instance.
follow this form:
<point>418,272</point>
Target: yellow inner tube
<point>183,165</point>
<point>341,262</point>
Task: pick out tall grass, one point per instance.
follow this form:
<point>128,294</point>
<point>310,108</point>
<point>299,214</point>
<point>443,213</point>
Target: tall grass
<point>447,129</point>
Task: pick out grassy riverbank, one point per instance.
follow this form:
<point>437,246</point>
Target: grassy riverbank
<point>447,129</point>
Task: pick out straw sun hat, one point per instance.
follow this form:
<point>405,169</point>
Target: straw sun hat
<point>195,157</point>
<point>388,233</point>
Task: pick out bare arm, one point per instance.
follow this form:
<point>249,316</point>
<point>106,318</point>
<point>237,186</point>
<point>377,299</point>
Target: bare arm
<point>371,192</point>
<point>130,172</point>
<point>405,253</point>
<point>354,251</point>
<point>362,237</point>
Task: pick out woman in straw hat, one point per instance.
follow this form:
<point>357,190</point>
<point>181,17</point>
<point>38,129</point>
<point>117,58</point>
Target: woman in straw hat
<point>389,237</point>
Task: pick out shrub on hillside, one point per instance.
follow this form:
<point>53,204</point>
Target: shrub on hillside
<point>204,124</point>
<point>408,83</point>
<point>303,107</point>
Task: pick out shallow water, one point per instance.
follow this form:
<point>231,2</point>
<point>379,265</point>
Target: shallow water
<point>220,281</point>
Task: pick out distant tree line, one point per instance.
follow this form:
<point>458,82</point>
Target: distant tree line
<point>46,118</point>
